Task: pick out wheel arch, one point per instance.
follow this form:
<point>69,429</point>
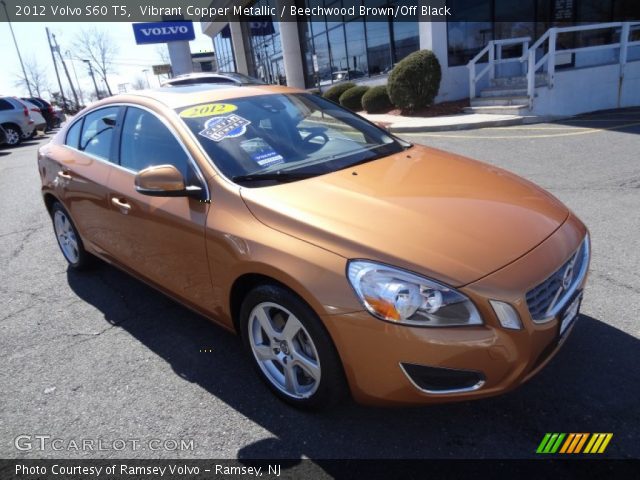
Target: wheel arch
<point>49,199</point>
<point>249,280</point>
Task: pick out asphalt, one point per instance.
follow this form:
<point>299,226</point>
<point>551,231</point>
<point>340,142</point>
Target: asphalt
<point>102,356</point>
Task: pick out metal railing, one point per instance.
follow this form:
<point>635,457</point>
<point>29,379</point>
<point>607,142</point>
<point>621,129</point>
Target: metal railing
<point>548,60</point>
<point>494,51</point>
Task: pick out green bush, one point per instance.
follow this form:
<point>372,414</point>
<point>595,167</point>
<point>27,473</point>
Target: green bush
<point>376,100</point>
<point>415,81</point>
<point>334,92</point>
<point>352,98</point>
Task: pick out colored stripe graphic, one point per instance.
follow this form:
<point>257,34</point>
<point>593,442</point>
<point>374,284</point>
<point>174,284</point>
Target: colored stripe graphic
<point>573,443</point>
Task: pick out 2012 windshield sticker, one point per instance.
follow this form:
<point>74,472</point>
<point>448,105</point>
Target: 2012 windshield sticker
<point>228,126</point>
<point>208,110</point>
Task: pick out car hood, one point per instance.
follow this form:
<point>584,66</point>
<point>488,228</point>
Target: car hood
<point>435,213</point>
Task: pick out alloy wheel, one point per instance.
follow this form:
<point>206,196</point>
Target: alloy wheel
<point>66,237</point>
<point>13,136</point>
<point>284,350</point>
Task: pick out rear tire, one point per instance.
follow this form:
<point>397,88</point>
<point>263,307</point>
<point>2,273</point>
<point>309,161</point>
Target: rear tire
<point>68,239</point>
<point>290,348</point>
<point>14,135</point>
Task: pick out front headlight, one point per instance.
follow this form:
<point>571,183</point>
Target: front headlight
<point>402,297</point>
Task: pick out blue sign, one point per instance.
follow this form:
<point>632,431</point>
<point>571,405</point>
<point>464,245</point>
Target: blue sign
<point>162,32</point>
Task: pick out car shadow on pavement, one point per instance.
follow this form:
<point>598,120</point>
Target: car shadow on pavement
<point>592,385</point>
<point>624,120</point>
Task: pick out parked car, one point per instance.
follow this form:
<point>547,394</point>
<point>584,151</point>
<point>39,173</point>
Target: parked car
<point>36,116</point>
<point>347,259</point>
<point>47,111</point>
<point>217,78</point>
<point>16,119</point>
<point>343,75</point>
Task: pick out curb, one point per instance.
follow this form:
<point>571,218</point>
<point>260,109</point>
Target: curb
<point>526,120</point>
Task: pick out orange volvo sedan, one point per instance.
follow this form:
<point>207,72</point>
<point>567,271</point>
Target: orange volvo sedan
<point>346,258</point>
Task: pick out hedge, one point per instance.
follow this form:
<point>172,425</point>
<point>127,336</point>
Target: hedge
<point>352,98</point>
<point>376,100</point>
<point>334,92</point>
<point>415,81</point>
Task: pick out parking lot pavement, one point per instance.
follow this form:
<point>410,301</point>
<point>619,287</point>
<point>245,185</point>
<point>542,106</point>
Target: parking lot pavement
<point>100,355</point>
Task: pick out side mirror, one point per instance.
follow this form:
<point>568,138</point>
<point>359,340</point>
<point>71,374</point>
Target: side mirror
<point>163,181</point>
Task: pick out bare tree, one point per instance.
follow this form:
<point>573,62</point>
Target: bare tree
<point>99,48</point>
<point>162,52</point>
<point>36,77</point>
<point>139,84</point>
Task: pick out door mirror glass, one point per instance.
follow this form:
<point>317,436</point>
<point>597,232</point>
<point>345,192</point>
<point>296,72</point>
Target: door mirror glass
<point>163,181</point>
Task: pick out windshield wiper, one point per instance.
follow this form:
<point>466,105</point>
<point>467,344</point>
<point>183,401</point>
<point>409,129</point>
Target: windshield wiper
<point>276,176</point>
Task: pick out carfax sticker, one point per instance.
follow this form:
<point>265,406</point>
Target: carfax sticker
<point>208,110</point>
<point>229,126</point>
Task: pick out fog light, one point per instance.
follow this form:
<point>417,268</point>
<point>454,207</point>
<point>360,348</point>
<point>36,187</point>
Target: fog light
<point>507,315</point>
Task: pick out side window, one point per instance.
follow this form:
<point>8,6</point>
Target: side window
<point>73,135</point>
<point>5,105</point>
<point>146,141</point>
<point>97,132</point>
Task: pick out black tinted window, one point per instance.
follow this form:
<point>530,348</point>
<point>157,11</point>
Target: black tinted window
<point>4,105</point>
<point>97,132</point>
<point>73,135</point>
<point>146,141</point>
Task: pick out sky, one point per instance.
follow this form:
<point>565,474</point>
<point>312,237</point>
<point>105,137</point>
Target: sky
<point>128,64</point>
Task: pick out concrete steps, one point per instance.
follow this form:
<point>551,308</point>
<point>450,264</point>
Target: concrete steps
<point>500,110</point>
<point>505,96</point>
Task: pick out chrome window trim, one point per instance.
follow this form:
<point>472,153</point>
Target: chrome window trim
<point>129,170</point>
<point>559,303</point>
<point>472,388</point>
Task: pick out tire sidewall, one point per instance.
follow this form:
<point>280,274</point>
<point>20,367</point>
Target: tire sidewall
<point>83,256</point>
<point>332,384</point>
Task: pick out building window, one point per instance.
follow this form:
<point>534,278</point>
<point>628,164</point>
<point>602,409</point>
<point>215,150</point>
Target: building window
<point>223,48</point>
<point>354,48</point>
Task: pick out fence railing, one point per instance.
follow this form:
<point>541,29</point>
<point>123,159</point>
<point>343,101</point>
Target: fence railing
<point>494,52</point>
<point>547,62</point>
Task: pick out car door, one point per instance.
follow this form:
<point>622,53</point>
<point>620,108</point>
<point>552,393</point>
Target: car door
<point>83,165</point>
<point>160,238</point>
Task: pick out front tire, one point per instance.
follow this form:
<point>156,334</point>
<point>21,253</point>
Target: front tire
<point>68,239</point>
<point>290,348</point>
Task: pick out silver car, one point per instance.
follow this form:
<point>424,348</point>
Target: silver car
<point>16,120</point>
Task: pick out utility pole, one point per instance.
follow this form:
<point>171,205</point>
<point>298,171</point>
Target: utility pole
<point>24,72</point>
<point>88,62</point>
<point>75,74</point>
<point>64,65</point>
<point>55,66</point>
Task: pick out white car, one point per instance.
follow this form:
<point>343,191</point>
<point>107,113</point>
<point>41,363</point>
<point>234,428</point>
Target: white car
<point>36,116</point>
<point>15,118</point>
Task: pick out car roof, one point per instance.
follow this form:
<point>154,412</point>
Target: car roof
<point>201,93</point>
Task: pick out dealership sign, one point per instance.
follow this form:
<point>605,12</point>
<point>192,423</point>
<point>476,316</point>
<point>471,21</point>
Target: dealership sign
<point>162,32</point>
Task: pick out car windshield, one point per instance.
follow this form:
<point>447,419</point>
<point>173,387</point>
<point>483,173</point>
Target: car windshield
<point>259,140</point>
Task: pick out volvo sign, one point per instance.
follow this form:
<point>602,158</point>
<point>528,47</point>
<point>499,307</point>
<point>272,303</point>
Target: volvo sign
<point>162,32</point>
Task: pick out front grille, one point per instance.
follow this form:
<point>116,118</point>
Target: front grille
<point>550,294</point>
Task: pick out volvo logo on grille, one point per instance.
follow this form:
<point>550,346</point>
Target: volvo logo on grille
<point>567,277</point>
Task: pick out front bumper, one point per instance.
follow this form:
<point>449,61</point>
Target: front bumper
<point>375,354</point>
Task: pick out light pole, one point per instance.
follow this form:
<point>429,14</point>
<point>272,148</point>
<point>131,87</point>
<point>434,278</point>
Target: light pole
<point>24,72</point>
<point>146,75</point>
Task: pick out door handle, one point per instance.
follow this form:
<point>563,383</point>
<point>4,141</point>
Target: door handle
<point>121,204</point>
<point>64,175</point>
